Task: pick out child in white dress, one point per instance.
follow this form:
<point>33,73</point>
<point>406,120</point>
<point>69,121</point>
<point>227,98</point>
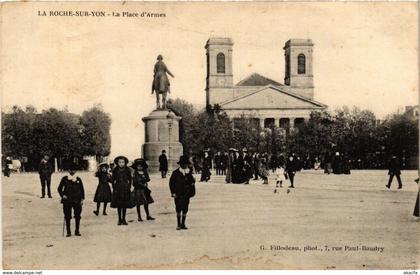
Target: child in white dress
<point>280,178</point>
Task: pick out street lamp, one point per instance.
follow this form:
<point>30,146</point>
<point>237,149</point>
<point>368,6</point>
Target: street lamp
<point>170,118</point>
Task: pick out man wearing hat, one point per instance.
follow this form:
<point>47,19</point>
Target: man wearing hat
<point>72,196</point>
<point>45,170</point>
<point>163,164</point>
<point>182,189</point>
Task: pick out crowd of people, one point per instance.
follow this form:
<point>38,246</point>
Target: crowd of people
<point>125,187</point>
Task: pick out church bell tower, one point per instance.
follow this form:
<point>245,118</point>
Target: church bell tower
<point>219,81</point>
<point>298,71</point>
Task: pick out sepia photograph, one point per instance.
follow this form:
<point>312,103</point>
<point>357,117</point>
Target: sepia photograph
<point>209,136</point>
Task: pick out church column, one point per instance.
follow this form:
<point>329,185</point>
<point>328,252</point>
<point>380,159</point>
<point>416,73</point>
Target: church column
<point>277,122</point>
<point>261,122</point>
<point>291,123</point>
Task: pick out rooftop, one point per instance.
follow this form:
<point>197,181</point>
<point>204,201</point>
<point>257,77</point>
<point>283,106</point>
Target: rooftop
<point>257,80</point>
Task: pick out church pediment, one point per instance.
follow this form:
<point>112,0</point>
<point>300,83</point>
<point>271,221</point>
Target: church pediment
<point>257,80</point>
<point>271,97</point>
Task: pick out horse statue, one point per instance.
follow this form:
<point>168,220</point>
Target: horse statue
<point>161,85</point>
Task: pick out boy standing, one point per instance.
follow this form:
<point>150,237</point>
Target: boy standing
<point>72,196</point>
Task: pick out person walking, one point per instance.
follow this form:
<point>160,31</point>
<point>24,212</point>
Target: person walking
<point>163,164</point>
<point>141,192</point>
<point>181,185</point>
<point>291,170</point>
<point>45,170</point>
<point>121,187</point>
<point>394,170</point>
<point>72,196</point>
<point>103,192</point>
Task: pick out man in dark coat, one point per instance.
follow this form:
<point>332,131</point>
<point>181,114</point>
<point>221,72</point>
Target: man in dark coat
<point>217,163</point>
<point>182,189</point>
<point>8,164</point>
<point>45,171</point>
<point>224,162</point>
<point>256,165</point>
<point>237,168</point>
<point>72,196</point>
<point>273,162</point>
<point>291,169</point>
<point>163,164</point>
<point>394,170</point>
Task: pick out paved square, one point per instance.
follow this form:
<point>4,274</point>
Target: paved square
<point>231,226</point>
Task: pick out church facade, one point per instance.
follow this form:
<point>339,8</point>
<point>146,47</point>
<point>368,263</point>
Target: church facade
<point>258,97</point>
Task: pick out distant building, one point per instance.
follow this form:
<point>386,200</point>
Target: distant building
<point>266,100</point>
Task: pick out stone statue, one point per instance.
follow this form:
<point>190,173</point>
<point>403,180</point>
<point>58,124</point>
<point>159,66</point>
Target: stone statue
<point>161,85</point>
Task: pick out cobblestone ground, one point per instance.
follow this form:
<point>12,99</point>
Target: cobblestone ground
<point>230,226</point>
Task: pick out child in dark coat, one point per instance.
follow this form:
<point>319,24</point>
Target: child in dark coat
<point>182,189</point>
<point>121,186</point>
<point>103,191</point>
<point>141,193</point>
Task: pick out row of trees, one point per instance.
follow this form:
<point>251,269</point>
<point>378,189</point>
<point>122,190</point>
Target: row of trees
<point>356,133</point>
<point>29,134</point>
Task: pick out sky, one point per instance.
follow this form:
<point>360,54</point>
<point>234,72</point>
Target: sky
<point>365,54</point>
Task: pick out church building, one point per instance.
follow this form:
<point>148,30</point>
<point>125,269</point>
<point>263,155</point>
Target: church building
<point>266,100</point>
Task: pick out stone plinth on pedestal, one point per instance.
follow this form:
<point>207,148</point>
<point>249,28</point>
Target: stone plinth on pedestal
<point>161,128</point>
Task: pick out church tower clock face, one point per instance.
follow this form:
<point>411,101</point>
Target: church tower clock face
<point>221,81</point>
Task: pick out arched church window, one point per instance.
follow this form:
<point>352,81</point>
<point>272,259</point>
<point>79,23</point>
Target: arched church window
<point>220,63</point>
<point>301,64</point>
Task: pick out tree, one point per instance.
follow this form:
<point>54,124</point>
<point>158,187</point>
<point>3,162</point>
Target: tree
<point>313,137</point>
<point>189,116</point>
<point>213,130</point>
<point>199,130</point>
<point>17,131</point>
<point>401,135</point>
<point>57,133</point>
<point>95,132</point>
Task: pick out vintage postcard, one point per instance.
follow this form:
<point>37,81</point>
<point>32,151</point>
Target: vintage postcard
<point>209,135</point>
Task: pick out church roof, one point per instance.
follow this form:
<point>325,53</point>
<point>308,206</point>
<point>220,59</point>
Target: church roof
<point>257,80</point>
<point>272,97</point>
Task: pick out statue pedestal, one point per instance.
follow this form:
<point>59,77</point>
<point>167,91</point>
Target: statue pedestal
<point>161,128</point>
